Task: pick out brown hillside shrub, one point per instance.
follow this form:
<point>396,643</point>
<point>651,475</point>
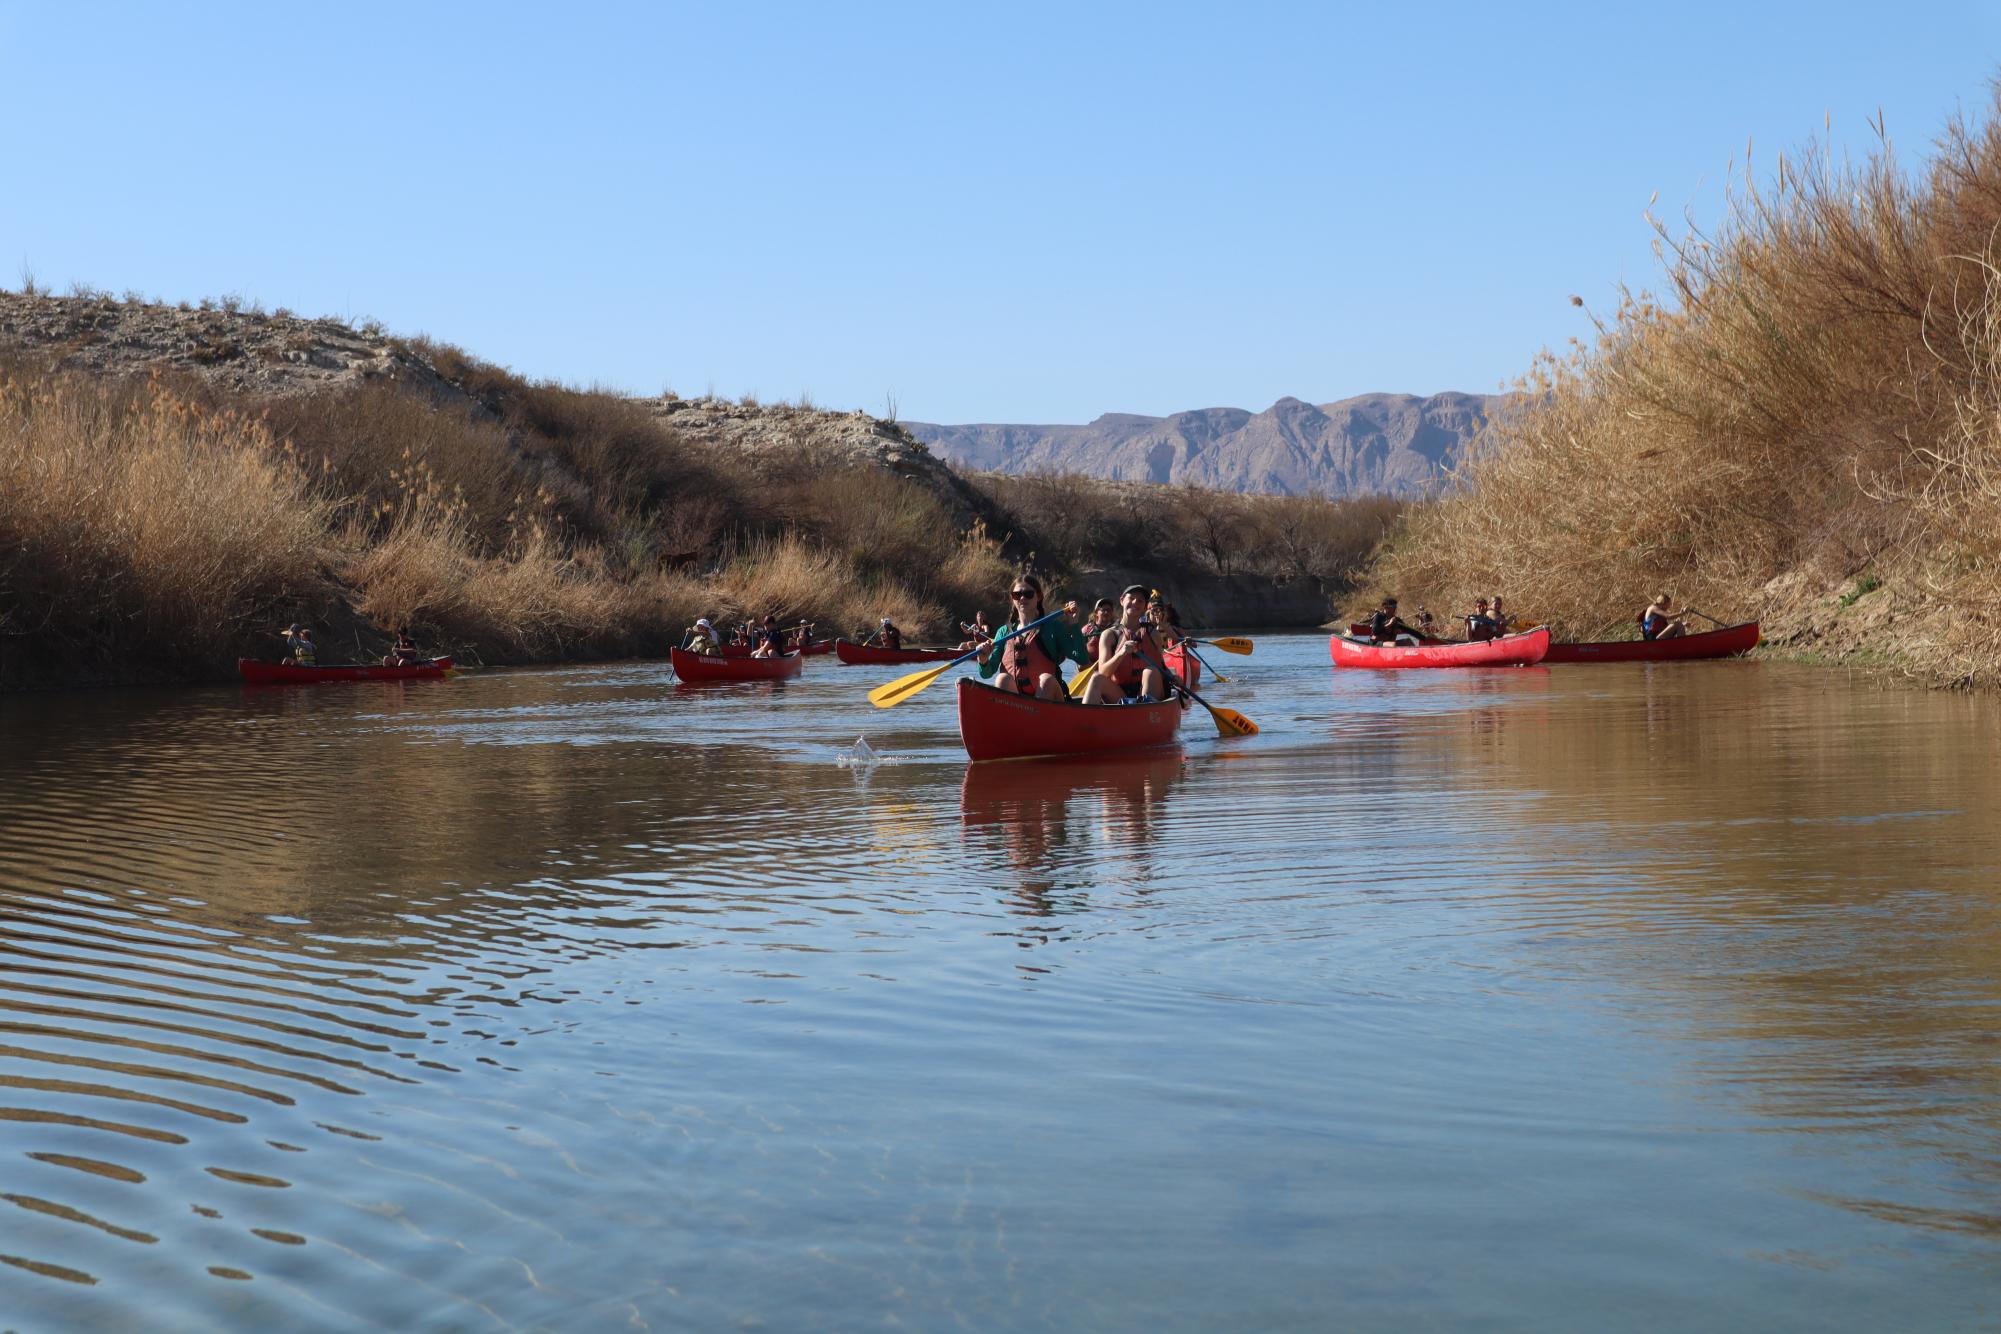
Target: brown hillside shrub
<point>381,449</point>
<point>135,524</point>
<point>1079,523</point>
<point>794,580</point>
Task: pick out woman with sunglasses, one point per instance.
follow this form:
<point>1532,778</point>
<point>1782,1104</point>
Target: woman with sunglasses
<point>1032,663</point>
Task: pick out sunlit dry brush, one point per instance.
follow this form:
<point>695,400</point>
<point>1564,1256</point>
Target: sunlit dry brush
<point>377,448</point>
<point>794,580</point>
<point>412,570</point>
<point>135,524</point>
<point>1811,408</point>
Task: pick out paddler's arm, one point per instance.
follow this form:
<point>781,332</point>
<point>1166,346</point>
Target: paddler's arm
<point>992,661</point>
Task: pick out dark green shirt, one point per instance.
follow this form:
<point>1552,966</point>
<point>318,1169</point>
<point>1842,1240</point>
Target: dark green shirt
<point>1060,640</point>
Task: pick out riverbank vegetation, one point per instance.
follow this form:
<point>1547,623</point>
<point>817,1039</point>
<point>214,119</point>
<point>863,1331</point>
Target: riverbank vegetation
<point>158,527</point>
<point>1804,424</point>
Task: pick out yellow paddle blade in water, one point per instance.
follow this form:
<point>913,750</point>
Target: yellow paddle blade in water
<point>1081,680</point>
<point>1231,644</point>
<point>1229,722</point>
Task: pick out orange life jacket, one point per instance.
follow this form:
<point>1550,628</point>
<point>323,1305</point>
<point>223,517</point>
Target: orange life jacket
<point>1026,660</point>
<point>1129,674</point>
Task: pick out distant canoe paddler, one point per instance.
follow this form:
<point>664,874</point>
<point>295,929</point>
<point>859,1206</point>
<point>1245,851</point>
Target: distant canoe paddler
<point>1658,621</point>
<point>701,637</point>
<point>301,643</point>
<point>886,636</point>
<point>404,652</point>
<point>1386,627</point>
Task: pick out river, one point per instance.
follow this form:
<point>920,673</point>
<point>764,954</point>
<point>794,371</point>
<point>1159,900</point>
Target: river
<point>1538,999</point>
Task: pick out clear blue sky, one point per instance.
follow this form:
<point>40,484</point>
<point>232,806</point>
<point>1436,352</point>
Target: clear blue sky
<point>1002,212</point>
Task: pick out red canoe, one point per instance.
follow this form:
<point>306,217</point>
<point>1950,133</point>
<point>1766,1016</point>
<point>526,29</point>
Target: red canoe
<point>1182,663</point>
<point>284,674</point>
<point>1522,650</point>
<point>861,655</point>
<point>699,667</point>
<point>1724,643</point>
<point>1001,725</point>
<point>812,650</point>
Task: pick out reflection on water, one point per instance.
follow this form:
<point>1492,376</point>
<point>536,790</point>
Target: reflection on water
<point>1062,830</point>
<point>1518,999</point>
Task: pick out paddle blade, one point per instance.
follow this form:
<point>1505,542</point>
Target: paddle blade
<point>903,687</point>
<point>1081,681</point>
<point>1232,644</point>
<point>1231,723</point>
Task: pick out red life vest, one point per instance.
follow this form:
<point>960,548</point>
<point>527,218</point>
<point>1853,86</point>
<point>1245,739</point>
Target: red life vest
<point>1024,658</point>
<point>1129,674</point>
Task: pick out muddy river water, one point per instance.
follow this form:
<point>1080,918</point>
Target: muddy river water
<point>1571,998</point>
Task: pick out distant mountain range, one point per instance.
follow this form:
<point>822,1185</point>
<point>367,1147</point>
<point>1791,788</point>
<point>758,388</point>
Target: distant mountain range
<point>1394,443</point>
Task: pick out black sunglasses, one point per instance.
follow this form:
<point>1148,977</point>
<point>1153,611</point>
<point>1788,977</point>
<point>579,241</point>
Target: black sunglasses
<point>1021,592</point>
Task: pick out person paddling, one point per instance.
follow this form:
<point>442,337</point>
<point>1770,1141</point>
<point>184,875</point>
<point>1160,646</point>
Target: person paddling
<point>802,636</point>
<point>978,632</point>
<point>701,637</point>
<point>1385,626</point>
<point>1503,623</point>
<point>1104,613</point>
<point>1480,625</point>
<point>1658,621</point>
<point>1128,656</point>
<point>886,636</point>
<point>404,653</point>
<point>1031,663</point>
<point>1103,617</point>
<point>300,641</point>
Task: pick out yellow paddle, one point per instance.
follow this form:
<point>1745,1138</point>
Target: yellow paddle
<point>903,687</point>
<point>1231,644</point>
<point>1228,721</point>
<point>1081,680</point>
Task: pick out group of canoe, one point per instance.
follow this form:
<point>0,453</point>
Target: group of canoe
<point>301,664</point>
<point>1384,641</point>
<point>1147,670</point>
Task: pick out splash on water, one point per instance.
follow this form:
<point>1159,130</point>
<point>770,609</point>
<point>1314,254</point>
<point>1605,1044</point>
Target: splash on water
<point>861,755</point>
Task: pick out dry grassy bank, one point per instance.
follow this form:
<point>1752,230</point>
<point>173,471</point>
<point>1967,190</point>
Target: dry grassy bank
<point>1805,425</point>
<point>158,528</point>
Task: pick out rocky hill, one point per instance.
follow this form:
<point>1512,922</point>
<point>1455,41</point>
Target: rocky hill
<point>243,350</point>
<point>279,355</point>
<point>1376,443</point>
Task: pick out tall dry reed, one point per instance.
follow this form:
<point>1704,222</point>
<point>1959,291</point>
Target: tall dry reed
<point>1802,425</point>
<point>139,526</point>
